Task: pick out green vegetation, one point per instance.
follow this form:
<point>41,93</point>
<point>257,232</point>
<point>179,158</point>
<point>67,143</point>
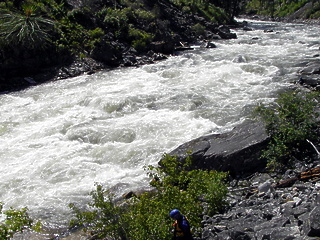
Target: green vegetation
<point>25,28</point>
<point>34,23</point>
<point>35,34</point>
<point>194,192</point>
<point>281,8</point>
<point>16,221</point>
<point>290,121</point>
<point>30,28</point>
<point>314,12</point>
<point>214,11</point>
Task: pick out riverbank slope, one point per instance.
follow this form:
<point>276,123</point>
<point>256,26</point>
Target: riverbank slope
<point>76,37</point>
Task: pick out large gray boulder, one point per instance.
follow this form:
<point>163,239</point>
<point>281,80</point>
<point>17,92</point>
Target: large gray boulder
<point>236,152</point>
<point>312,223</point>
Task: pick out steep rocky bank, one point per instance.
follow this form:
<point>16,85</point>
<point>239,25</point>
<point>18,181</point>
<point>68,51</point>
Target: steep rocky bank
<point>173,30</point>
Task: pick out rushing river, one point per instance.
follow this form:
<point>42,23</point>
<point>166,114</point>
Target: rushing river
<point>59,139</point>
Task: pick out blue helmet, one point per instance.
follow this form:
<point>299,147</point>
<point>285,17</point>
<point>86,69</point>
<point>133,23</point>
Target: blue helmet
<point>175,214</point>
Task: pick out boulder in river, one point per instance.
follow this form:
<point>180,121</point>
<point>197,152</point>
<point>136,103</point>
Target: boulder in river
<point>237,151</point>
<point>311,68</point>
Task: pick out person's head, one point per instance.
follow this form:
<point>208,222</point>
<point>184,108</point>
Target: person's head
<point>175,214</point>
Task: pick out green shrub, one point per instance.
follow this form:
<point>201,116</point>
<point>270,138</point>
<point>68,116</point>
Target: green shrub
<point>140,39</point>
<point>16,221</point>
<point>290,121</point>
<point>198,29</point>
<point>105,215</point>
<point>145,15</point>
<point>207,184</point>
<point>117,21</point>
<point>274,8</point>
<point>186,9</point>
<point>71,36</point>
<point>145,217</point>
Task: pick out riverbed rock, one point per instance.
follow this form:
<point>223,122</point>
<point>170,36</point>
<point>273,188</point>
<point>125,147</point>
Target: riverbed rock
<point>312,223</point>
<point>311,68</point>
<point>166,47</point>
<point>273,215</point>
<point>309,82</point>
<point>236,152</point>
<point>225,33</point>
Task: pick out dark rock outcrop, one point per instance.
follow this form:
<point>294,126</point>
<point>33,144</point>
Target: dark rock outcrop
<point>236,152</point>
<point>309,74</point>
<point>311,68</point>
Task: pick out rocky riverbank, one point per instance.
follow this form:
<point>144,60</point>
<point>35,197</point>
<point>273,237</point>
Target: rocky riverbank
<point>263,205</point>
<point>260,209</point>
<point>171,29</point>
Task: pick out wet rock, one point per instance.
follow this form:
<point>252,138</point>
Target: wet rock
<point>247,28</point>
<point>284,213</point>
<point>227,35</point>
<point>265,187</point>
<point>162,47</point>
<point>237,151</point>
<point>311,68</point>
<point>208,45</point>
<point>311,82</point>
<point>312,224</point>
<point>76,68</point>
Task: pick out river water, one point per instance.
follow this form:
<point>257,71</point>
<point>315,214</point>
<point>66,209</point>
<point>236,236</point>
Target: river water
<point>59,139</point>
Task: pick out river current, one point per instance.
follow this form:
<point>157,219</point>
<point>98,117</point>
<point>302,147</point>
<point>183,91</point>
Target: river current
<point>60,138</point>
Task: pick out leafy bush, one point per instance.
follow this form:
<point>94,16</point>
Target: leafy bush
<point>290,121</point>
<point>145,15</point>
<point>117,21</point>
<point>144,217</point>
<point>289,8</point>
<point>140,38</point>
<point>71,36</point>
<point>16,221</point>
<point>105,217</point>
<point>198,29</point>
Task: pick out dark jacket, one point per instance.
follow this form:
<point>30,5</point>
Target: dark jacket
<point>182,229</point>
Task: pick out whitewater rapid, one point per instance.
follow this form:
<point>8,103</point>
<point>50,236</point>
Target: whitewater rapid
<point>60,138</point>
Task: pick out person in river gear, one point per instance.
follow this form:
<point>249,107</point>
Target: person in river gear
<point>181,226</point>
